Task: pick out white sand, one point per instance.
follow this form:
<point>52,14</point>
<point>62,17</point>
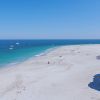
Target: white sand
<point>65,78</point>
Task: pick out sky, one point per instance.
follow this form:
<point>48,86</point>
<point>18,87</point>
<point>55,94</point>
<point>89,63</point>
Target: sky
<point>49,19</point>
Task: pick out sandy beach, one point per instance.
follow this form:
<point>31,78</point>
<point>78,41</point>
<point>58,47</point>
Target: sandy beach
<point>62,74</point>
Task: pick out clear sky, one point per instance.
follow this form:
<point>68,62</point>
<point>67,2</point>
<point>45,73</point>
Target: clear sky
<point>69,19</point>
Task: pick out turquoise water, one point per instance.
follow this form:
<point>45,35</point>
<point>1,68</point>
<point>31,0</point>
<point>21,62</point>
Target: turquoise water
<point>13,51</point>
<point>15,56</point>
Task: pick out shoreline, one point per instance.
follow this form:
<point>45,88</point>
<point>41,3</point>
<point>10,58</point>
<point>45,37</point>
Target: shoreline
<point>66,76</point>
<point>14,63</point>
<point>40,54</point>
<point>44,53</point>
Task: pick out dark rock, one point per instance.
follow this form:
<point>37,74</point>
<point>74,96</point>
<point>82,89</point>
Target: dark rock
<point>96,82</point>
<point>98,57</point>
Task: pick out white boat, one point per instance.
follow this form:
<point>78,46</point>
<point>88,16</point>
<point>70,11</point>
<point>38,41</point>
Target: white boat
<point>11,48</point>
<point>17,43</point>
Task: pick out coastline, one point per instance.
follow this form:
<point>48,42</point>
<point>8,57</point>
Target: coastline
<point>43,53</point>
<point>14,63</point>
<point>66,76</point>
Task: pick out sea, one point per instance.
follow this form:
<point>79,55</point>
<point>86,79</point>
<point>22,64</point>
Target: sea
<point>16,51</point>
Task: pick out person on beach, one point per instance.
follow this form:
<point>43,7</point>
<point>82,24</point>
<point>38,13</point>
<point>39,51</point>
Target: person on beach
<point>48,62</point>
